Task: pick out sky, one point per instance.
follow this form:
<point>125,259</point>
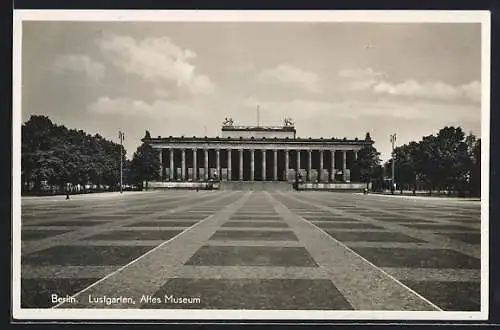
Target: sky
<point>334,79</point>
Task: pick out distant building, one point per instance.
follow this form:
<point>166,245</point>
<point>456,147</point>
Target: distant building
<point>256,153</point>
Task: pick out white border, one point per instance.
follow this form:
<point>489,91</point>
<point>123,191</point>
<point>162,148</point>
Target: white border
<point>19,16</point>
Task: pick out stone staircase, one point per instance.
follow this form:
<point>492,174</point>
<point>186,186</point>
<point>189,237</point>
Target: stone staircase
<point>256,185</point>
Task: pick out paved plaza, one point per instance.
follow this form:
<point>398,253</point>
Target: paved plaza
<point>251,250</point>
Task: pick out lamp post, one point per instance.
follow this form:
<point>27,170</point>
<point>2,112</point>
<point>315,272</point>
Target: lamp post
<point>393,141</point>
<point>121,136</point>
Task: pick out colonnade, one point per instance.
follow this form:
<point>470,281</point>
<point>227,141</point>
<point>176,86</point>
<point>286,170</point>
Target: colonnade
<point>207,174</point>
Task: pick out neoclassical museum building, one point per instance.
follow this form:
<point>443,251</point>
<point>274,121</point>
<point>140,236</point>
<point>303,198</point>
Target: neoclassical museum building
<point>256,154</point>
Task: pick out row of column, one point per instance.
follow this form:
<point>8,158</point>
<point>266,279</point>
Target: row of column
<point>252,163</point>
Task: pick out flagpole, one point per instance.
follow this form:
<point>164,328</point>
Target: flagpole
<point>258,115</point>
<point>121,136</point>
<point>393,140</point>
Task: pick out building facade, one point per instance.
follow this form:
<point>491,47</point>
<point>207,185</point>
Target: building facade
<point>256,153</point>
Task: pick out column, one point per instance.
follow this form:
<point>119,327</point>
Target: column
<point>275,165</point>
<point>344,164</point>
<point>195,165</point>
<point>160,158</point>
<point>332,173</point>
<point>309,165</point>
<point>241,164</point>
<point>252,164</point>
<point>320,172</point>
<point>218,163</point>
<point>206,164</point>
<point>183,165</point>
<point>229,172</point>
<point>298,161</point>
<point>172,164</point>
<point>287,162</point>
<point>263,164</point>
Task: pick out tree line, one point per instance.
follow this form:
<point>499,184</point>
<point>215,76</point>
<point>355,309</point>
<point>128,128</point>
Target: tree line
<point>447,162</point>
<point>53,156</point>
<point>55,159</point>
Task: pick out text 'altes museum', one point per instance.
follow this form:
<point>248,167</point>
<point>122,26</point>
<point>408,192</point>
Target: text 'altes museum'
<point>256,154</point>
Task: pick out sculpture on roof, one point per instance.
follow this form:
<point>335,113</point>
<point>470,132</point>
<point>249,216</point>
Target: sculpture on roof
<point>288,121</point>
<point>227,122</point>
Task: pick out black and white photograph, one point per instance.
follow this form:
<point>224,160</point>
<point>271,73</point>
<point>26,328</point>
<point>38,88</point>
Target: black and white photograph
<point>174,165</point>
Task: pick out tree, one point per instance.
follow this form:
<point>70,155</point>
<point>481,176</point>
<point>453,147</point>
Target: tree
<point>367,162</point>
<point>474,175</point>
<point>145,165</point>
<point>405,166</point>
<point>454,160</point>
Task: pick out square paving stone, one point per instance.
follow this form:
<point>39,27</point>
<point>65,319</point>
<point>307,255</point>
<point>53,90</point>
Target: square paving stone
<point>333,219</point>
<point>182,217</point>
<point>257,214</point>
<point>315,214</point>
<point>390,217</point>
<point>450,296</point>
<point>251,256</point>
<point>163,223</point>
<point>403,220</point>
<point>354,225</point>
<point>477,221</point>
<point>124,235</point>
<point>84,255</point>
<point>437,227</point>
<point>106,217</point>
<point>33,234</point>
<point>256,224</point>
<point>251,294</point>
<point>139,212</point>
<point>368,214</point>
<point>418,258</point>
<point>36,293</point>
<point>472,238</point>
<point>78,223</point>
<point>28,218</point>
<point>251,235</point>
<point>238,217</point>
<point>372,236</point>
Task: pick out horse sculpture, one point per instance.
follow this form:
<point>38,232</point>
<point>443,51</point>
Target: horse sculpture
<point>288,121</point>
<point>227,122</point>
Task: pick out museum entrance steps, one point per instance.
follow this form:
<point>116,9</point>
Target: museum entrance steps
<point>257,185</point>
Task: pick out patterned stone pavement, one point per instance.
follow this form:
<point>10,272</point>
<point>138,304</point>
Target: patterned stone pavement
<point>251,250</point>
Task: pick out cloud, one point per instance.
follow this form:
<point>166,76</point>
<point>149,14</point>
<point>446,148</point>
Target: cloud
<point>291,76</point>
<point>359,79</point>
<point>121,106</point>
<point>182,111</point>
<point>472,91</point>
<point>377,83</point>
<point>304,109</point>
<point>79,64</point>
<point>367,73</point>
<point>156,60</point>
<point>431,90</point>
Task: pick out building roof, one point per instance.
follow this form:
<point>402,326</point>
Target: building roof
<point>260,128</point>
<point>193,139</point>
